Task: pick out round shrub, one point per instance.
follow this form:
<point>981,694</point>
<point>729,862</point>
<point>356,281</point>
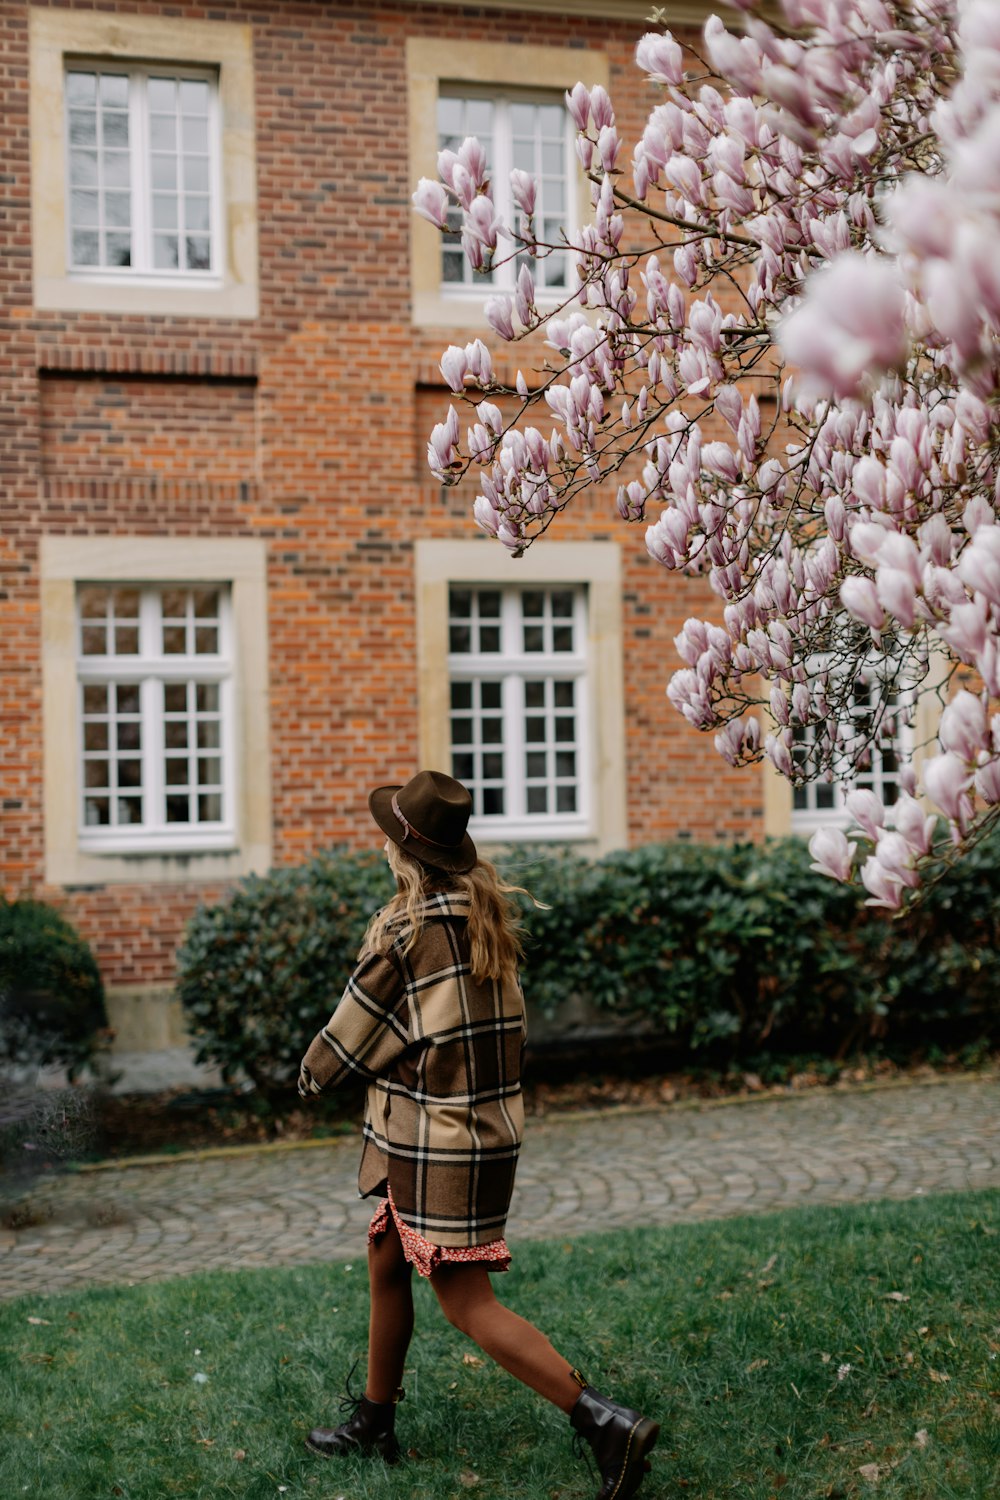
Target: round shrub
<point>51,996</point>
<point>261,972</point>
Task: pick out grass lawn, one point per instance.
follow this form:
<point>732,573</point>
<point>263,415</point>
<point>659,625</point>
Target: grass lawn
<point>819,1353</point>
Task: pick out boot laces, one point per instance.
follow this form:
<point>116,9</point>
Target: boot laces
<point>350,1402</point>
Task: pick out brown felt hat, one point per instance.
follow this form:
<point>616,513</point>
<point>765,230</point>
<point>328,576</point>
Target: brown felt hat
<point>428,817</point>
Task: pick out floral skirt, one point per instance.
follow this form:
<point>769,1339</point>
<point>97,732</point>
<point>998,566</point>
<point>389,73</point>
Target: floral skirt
<point>427,1257</point>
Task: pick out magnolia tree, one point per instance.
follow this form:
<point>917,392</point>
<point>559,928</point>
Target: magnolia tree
<point>804,245</point>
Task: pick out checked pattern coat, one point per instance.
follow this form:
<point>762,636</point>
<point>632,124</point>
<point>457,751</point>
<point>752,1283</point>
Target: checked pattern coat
<point>442,1055</point>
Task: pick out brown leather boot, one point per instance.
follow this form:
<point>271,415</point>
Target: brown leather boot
<point>370,1429</point>
<point>620,1439</point>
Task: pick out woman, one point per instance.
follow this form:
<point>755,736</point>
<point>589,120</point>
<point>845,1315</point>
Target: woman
<point>433,1018</point>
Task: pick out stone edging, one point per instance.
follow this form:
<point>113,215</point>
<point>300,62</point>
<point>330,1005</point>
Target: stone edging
<point>766,1096</point>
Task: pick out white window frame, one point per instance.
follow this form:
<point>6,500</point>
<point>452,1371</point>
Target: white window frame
<point>142,271</point>
<point>153,670</point>
<point>476,285</point>
<point>806,820</point>
<point>511,667</point>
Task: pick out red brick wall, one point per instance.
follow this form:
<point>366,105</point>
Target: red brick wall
<point>305,427</point>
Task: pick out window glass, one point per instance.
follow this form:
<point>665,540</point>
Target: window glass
<point>141,150</point>
<point>152,674</point>
<point>516,707</point>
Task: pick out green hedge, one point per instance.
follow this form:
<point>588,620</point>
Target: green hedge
<point>733,950</point>
<point>51,996</point>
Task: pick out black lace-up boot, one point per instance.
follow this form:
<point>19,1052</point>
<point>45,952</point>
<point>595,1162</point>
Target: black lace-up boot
<point>370,1428</point>
<point>619,1438</point>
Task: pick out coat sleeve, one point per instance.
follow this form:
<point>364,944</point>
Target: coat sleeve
<point>366,1033</point>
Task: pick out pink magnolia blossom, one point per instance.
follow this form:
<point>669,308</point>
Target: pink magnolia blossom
<point>886,890</point>
<point>860,598</point>
<point>660,56</point>
<point>431,201</point>
<point>963,728</point>
<point>946,781</point>
<point>851,323</point>
<point>832,854</point>
<point>867,811</point>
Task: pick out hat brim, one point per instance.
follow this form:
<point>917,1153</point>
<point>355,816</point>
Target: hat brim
<point>456,860</point>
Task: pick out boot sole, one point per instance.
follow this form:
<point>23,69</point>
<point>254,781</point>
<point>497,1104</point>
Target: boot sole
<point>641,1442</point>
<point>388,1458</point>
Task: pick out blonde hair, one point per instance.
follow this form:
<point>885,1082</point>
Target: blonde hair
<point>494,923</point>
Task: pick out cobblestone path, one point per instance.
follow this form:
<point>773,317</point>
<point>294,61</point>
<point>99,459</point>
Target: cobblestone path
<point>588,1171</point>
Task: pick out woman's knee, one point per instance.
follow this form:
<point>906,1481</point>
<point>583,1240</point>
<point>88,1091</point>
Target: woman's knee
<point>463,1294</point>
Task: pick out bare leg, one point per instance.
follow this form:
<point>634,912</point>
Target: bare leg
<point>468,1302</point>
<point>390,1324</point>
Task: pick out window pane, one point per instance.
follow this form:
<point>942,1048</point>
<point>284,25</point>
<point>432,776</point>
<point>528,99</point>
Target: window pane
<point>463,766</point>
<point>460,603</point>
<point>461,731</point>
<point>479,117</point>
<point>492,766</point>
<point>174,603</point>
<point>81,89</point>
<point>207,697</point>
<point>97,811</point>
<point>117,209</point>
<point>178,810</point>
<point>164,211</point>
<point>163,133</point>
<point>177,770</point>
<point>565,763</point>
<point>95,774</point>
<point>489,604</point>
<point>164,171</point>
<point>460,638</point>
<point>461,695</point>
<point>489,638</point>
<point>95,736</point>
<point>534,730</point>
<point>162,94</point>
<point>174,640</point>
<point>210,808</point>
<point>95,699</point>
<point>114,90</point>
<point>563,694</point>
<point>534,695</point>
<point>534,638</point>
<point>198,253</point>
<point>565,799</point>
<point>82,127</point>
<point>165,252</point>
<point>194,96</point>
<point>209,771</point>
<point>118,250</point>
<point>562,638</point>
<point>129,810</point>
<point>83,208</point>
<point>94,640</point>
<point>492,731</point>
<point>128,735</point>
<point>208,734</point>
<point>196,174</point>
<point>196,213</point>
<point>127,698</point>
<point>493,801</point>
<point>194,134</point>
<point>175,697</point>
<point>86,249</point>
<point>175,734</point>
<point>206,640</point>
<point>535,763</point>
<point>114,129</point>
<point>537,799</point>
<point>533,604</point>
<point>490,694</point>
<point>562,605</point>
<point>83,168</point>
<point>565,730</point>
<point>116,168</point>
<point>129,773</point>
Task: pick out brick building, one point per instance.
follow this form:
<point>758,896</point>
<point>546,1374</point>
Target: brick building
<point>232,596</point>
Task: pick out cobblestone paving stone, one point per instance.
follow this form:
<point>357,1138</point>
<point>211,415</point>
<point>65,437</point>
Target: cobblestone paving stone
<point>577,1173</point>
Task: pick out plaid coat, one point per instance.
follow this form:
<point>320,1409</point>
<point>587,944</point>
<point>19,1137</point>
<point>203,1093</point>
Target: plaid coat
<point>442,1054</point>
